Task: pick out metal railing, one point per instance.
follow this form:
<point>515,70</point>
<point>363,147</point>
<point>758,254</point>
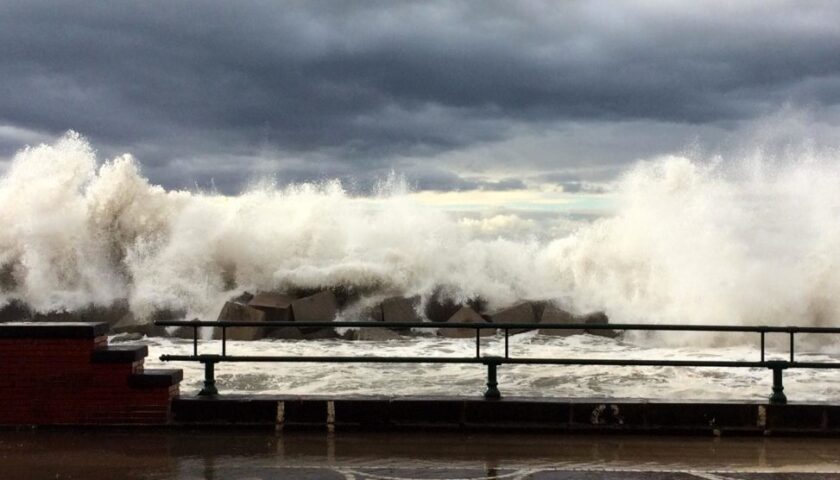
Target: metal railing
<point>492,362</point>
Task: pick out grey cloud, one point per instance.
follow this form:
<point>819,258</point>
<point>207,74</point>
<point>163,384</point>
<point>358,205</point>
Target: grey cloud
<point>359,88</point>
<point>571,184</point>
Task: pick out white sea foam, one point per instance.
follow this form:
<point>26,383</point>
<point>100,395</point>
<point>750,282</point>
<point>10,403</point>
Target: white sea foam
<point>696,383</point>
<point>747,242</point>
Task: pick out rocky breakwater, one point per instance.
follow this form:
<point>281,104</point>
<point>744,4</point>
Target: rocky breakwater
<point>527,312</point>
<point>281,311</point>
<point>327,305</point>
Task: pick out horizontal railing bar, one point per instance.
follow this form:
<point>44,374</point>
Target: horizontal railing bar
<point>498,360</point>
<point>480,326</point>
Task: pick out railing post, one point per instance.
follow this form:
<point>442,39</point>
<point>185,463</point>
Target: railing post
<point>791,347</point>
<point>492,392</point>
<point>209,387</point>
<point>778,396</point>
<point>762,346</point>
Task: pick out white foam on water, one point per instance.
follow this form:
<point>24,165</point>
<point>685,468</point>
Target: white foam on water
<point>688,383</point>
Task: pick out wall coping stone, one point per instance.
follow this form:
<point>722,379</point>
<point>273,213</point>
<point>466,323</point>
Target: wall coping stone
<point>66,330</point>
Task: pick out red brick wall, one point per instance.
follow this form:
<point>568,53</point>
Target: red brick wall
<point>53,381</point>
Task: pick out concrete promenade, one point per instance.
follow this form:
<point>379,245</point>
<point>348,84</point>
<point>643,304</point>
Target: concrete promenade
<point>165,453</point>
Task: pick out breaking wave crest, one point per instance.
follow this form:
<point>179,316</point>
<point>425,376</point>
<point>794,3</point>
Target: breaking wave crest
<point>754,242</point>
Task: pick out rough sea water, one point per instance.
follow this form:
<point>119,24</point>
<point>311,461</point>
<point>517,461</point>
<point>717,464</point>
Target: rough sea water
<point>751,241</point>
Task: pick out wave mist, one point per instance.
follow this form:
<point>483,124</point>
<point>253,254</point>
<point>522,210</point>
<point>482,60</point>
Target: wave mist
<point>751,242</point>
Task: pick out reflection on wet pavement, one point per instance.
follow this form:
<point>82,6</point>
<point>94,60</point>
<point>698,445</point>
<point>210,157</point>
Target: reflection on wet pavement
<point>241,455</point>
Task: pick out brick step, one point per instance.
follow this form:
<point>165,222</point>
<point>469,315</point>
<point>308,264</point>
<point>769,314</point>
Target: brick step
<point>156,378</point>
<point>119,354</point>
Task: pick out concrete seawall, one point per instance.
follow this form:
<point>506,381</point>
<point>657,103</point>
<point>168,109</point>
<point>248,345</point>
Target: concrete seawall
<point>515,414</point>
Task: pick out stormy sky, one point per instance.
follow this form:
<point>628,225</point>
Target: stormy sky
<point>460,96</point>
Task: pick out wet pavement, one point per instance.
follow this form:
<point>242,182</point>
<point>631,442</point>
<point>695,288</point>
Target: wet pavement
<point>250,455</point>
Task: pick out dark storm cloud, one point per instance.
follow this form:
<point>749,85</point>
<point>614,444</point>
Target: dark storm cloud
<point>365,84</point>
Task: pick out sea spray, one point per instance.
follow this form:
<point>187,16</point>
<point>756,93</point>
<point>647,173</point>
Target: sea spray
<point>748,242</point>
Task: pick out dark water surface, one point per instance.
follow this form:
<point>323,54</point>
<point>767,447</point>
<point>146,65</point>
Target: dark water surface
<point>241,455</point>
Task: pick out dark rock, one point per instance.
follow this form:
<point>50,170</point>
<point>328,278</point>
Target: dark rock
<point>243,298</point>
<point>373,314</point>
<point>234,312</point>
<point>477,303</point>
<point>599,318</point>
<point>320,307</point>
<point>552,314</point>
<point>8,282</point>
<point>277,306</point>
<point>400,309</point>
<point>15,311</point>
<point>166,314</point>
<point>345,295</point>
<point>539,308</point>
<point>440,307</point>
<point>465,315</point>
<point>520,313</point>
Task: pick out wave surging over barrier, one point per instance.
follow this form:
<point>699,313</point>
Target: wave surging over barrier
<point>689,242</point>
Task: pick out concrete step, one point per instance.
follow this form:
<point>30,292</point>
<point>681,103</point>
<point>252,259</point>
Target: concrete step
<point>120,354</point>
<point>155,378</point>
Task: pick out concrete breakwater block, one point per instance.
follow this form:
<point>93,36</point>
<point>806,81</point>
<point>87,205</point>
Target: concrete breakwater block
<point>556,315</point>
<point>519,313</point>
<point>466,315</point>
<point>400,310</point>
<point>442,304</point>
<point>599,318</point>
<point>320,307</point>
<point>235,312</point>
<point>390,310</point>
<point>440,308</point>
<point>277,306</point>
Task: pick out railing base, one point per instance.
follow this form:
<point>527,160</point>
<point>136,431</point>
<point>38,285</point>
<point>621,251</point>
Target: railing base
<point>778,396</point>
<point>492,392</point>
<point>209,387</point>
